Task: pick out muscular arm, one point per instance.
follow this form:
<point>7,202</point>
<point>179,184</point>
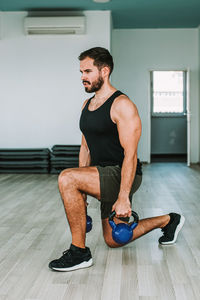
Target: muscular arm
<point>84,154</point>
<point>129,128</point>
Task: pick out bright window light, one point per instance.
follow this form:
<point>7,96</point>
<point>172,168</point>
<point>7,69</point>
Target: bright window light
<point>168,92</point>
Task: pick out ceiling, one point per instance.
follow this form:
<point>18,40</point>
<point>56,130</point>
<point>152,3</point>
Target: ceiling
<point>125,13</point>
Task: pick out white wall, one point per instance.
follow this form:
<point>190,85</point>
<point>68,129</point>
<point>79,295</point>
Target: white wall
<point>41,93</point>
<point>199,92</point>
<point>136,51</point>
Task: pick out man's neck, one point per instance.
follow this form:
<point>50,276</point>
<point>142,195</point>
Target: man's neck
<point>104,93</point>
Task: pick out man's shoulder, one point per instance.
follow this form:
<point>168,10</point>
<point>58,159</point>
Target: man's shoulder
<point>123,102</point>
<point>122,97</point>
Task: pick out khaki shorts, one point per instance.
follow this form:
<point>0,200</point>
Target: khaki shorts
<point>110,179</point>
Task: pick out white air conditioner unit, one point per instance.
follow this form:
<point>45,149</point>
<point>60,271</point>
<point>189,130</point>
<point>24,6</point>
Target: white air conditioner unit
<point>54,25</point>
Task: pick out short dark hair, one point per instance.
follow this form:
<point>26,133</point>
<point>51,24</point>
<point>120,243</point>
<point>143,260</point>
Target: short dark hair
<point>101,56</point>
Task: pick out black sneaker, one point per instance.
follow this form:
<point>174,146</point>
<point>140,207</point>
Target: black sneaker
<point>72,259</point>
<point>172,229</point>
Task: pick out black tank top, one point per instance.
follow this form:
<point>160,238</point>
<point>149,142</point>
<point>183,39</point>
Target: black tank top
<point>101,134</point>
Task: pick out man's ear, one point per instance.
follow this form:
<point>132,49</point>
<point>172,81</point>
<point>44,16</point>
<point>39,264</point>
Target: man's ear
<point>105,71</point>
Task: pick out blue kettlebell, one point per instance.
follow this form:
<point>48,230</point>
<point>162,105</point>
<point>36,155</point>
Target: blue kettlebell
<point>122,233</point>
<point>88,223</point>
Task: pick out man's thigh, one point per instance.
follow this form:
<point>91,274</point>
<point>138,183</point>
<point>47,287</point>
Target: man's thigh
<point>110,179</point>
<point>110,187</point>
<point>86,180</point>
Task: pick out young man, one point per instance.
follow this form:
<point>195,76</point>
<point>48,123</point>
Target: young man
<point>108,166</point>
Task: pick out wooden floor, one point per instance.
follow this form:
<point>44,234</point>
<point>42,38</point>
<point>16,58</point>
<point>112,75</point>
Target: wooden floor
<point>34,230</point>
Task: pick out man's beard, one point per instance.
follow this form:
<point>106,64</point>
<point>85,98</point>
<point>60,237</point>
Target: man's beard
<point>95,86</point>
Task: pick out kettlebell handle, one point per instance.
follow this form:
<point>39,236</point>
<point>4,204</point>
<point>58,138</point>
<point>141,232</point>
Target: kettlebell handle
<point>133,213</point>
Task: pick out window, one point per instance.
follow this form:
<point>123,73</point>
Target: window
<point>168,92</point>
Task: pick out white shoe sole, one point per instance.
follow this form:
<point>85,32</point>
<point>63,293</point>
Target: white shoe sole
<point>178,228</point>
<point>85,264</point>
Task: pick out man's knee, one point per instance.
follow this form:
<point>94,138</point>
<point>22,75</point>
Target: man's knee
<point>112,244</point>
<point>109,242</point>
<point>66,178</point>
<point>107,234</point>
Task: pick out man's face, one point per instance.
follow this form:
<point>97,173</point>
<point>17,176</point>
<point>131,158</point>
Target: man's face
<point>91,76</point>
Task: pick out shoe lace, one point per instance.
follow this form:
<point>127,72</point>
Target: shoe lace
<point>67,255</point>
<point>165,232</point>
